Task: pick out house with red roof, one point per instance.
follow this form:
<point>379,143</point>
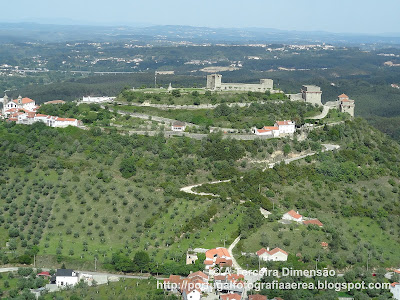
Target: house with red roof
<point>229,283</point>
<point>279,128</point>
<point>217,257</point>
<point>293,216</point>
<point>395,290</point>
<point>276,254</point>
<point>178,126</point>
<point>190,287</point>
<point>313,222</point>
<point>232,296</point>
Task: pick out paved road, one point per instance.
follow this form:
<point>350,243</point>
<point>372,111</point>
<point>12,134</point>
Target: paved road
<point>144,276</point>
<point>230,249</point>
<point>189,189</point>
<point>323,114</point>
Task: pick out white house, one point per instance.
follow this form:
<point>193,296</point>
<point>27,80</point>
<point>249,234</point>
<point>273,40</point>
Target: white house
<point>395,290</point>
<point>279,128</point>
<point>272,131</point>
<point>30,117</point>
<point>191,294</point>
<point>178,126</point>
<point>276,254</point>
<point>286,127</point>
<point>66,277</point>
<point>293,216</point>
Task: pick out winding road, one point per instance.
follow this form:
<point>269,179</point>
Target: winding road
<point>189,189</point>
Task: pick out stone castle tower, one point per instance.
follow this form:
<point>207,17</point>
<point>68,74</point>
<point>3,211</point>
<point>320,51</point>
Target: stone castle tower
<point>311,94</point>
<point>214,82</point>
<point>346,105</point>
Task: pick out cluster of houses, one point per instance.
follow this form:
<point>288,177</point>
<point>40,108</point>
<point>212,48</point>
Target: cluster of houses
<point>280,128</point>
<point>24,111</point>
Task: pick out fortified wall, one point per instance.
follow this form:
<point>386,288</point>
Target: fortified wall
<point>214,83</point>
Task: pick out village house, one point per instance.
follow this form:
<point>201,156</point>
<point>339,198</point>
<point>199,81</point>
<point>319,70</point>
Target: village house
<point>218,256</point>
<point>293,216</point>
<point>280,128</point>
<point>276,254</point>
<point>395,290</point>
<point>229,283</point>
<point>66,277</point>
<point>232,296</point>
<point>51,121</point>
<point>313,222</point>
<point>190,287</point>
<point>178,126</point>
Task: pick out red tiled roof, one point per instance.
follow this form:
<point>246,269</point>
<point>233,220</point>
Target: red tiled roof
<point>257,297</point>
<point>285,122</point>
<point>294,214</point>
<point>313,222</point>
<point>394,284</point>
<point>324,244</point>
<point>24,100</point>
<point>43,274</point>
<point>343,96</point>
<point>231,297</point>
<point>223,261</point>
<point>397,271</point>
<point>65,119</point>
<point>272,252</point>
<point>198,274</point>
<point>217,252</point>
<point>235,278</point>
<point>276,250</point>
<point>173,279</point>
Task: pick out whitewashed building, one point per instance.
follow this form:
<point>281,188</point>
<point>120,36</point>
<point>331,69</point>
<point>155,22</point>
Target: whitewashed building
<point>90,99</point>
<point>178,126</point>
<point>66,277</point>
<point>276,254</point>
<point>279,128</point>
<point>395,290</point>
<point>293,216</point>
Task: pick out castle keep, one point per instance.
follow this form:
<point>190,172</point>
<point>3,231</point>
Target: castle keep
<point>214,83</point>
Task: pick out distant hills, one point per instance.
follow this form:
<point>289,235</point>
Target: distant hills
<point>33,32</point>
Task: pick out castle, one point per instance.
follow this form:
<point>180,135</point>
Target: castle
<point>214,83</point>
<point>309,93</point>
<point>345,104</point>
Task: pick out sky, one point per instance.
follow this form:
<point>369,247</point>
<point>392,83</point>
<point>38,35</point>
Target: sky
<point>341,16</point>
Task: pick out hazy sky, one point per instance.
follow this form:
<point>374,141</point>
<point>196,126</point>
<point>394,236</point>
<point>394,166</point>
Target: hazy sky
<point>357,16</point>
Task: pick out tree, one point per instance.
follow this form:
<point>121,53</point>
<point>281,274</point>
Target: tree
<point>141,261</point>
<point>128,167</point>
<point>176,93</point>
